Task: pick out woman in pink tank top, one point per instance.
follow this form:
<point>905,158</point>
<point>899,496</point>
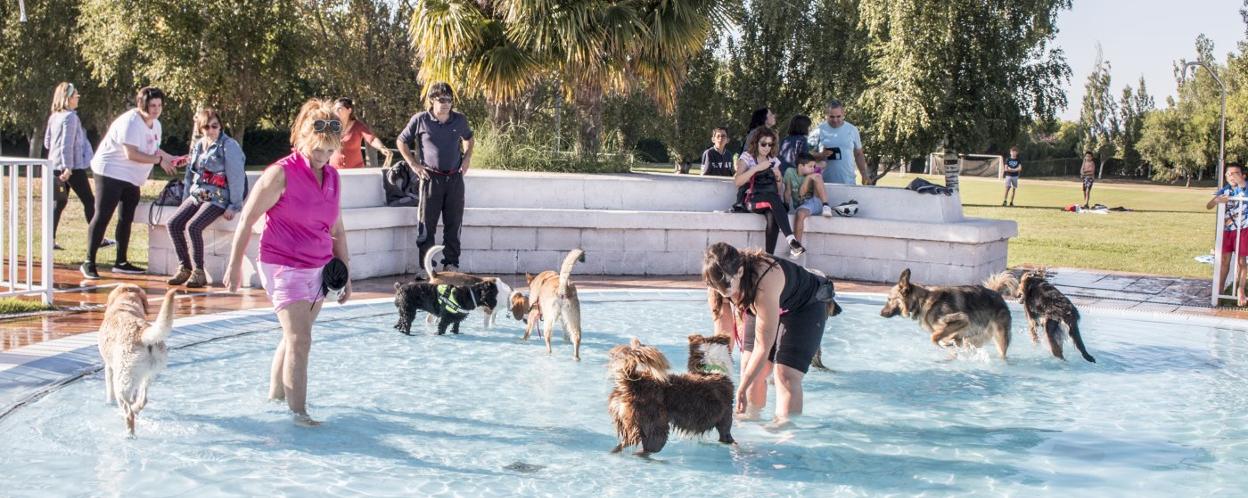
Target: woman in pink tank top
<point>302,231</point>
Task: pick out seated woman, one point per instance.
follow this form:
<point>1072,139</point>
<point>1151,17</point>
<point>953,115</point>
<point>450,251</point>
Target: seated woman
<point>215,182</point>
<point>758,174</point>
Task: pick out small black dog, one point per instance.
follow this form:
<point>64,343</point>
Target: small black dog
<point>1047,307</point>
<point>449,303</point>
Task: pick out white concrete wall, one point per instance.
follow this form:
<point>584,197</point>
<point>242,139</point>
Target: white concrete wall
<point>645,224</point>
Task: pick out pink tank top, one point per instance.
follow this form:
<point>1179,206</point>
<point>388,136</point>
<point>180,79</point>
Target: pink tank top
<point>297,229</point>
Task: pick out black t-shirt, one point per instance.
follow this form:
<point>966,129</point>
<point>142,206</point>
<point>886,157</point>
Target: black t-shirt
<point>1012,163</point>
<point>716,164</point>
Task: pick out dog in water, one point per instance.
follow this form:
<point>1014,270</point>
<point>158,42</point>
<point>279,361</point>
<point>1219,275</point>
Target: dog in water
<point>1047,307</point>
<point>450,303</point>
<point>464,280</point>
<point>956,316</point>
<point>648,401</point>
<point>552,297</point>
<point>133,350</point>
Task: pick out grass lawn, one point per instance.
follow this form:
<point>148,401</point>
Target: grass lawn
<point>11,305</point>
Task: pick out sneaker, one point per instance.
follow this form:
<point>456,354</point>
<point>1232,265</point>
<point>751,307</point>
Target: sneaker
<point>1011,203</point>
<point>420,274</point>
<point>89,272</point>
<point>827,211</point>
<point>198,280</point>
<point>108,242</point>
<point>796,250</point>
<point>450,267</point>
<point>57,247</point>
<point>126,267</point>
<point>181,277</point>
<point>1002,203</point>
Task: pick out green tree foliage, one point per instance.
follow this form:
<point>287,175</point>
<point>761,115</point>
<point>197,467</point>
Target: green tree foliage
<point>34,57</point>
<point>1098,117</point>
<point>239,56</point>
<point>1132,108</point>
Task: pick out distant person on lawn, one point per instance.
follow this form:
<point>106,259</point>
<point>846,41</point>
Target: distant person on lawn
<point>1087,172</point>
<point>717,161</point>
<point>1013,167</point>
<point>1233,225</point>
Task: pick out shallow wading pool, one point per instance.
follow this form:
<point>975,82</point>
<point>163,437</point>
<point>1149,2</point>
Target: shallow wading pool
<point>482,414</point>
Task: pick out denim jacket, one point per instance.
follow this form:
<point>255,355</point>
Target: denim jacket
<point>66,141</point>
<point>224,157</point>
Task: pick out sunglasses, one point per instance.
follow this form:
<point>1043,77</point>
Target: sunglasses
<point>213,126</point>
<point>327,126</point>
<point>69,90</point>
<point>765,144</point>
<point>443,100</point>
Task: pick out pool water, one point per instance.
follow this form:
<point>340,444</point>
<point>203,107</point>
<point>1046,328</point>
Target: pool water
<point>1162,413</point>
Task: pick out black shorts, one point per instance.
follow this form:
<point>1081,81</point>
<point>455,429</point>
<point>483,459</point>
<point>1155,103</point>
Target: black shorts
<point>798,339</point>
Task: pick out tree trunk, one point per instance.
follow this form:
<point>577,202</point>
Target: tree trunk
<point>36,142</point>
<point>589,114</point>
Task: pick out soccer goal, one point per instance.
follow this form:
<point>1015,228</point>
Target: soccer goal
<point>971,165</point>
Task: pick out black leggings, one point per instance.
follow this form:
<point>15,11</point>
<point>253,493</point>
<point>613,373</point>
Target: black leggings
<point>111,192</point>
<point>199,215</point>
<point>777,217</point>
<point>81,186</point>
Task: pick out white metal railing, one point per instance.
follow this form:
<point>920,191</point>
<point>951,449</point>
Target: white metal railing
<point>1233,273</point>
<point>14,227</point>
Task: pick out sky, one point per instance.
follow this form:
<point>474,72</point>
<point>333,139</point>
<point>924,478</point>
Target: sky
<point>1142,37</point>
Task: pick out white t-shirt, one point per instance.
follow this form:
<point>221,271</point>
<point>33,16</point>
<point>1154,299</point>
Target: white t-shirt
<point>110,160</point>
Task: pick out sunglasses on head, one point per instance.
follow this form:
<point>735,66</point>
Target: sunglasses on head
<point>327,126</point>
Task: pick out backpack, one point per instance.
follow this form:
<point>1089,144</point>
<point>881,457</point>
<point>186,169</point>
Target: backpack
<point>402,187</point>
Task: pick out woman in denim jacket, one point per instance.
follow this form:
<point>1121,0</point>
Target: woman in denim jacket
<point>215,183</point>
<point>70,152</point>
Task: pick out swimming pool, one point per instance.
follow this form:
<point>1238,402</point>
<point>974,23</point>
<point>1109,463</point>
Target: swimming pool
<point>1162,413</point>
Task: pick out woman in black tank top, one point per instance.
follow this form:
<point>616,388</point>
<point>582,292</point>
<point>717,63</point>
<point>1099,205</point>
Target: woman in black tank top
<point>776,292</point>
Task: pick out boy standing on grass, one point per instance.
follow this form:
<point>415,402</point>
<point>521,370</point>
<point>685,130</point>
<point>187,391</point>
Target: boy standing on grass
<point>1233,234</point>
<point>1012,168</point>
<point>804,189</point>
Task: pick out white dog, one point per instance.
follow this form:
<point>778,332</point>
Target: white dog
<point>132,349</point>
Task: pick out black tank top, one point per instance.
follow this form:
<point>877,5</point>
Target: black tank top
<point>800,286</point>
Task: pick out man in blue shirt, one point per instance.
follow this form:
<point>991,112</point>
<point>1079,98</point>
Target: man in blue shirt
<point>837,141</point>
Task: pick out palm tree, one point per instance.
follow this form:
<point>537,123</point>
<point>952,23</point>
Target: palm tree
<point>501,48</point>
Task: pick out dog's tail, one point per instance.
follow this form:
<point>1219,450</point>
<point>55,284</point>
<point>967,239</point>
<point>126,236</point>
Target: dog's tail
<point>1003,283</point>
<point>565,271</point>
<point>433,252</point>
<point>157,332</point>
<point>1072,326</point>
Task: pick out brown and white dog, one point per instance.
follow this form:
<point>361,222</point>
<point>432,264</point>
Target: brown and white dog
<point>551,298</point>
<point>648,401</point>
<point>133,350</point>
<point>956,316</point>
<point>459,279</point>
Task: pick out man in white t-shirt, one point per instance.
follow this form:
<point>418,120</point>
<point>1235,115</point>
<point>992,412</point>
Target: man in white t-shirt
<point>838,142</point>
<point>121,165</point>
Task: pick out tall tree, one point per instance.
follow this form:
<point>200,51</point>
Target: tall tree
<point>1132,108</point>
<point>965,72</point>
<point>34,56</point>
<point>239,56</point>
<point>1098,118</point>
<point>501,48</point>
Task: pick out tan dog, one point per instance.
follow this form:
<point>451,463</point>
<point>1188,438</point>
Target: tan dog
<point>552,296</point>
<point>966,315</point>
<point>132,349</point>
<point>460,279</point>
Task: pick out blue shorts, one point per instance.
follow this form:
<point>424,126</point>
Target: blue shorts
<point>812,205</point>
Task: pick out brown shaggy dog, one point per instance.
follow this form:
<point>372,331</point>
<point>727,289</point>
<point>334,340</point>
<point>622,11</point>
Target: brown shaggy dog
<point>965,315</point>
<point>133,350</point>
<point>1046,306</point>
<point>648,402</point>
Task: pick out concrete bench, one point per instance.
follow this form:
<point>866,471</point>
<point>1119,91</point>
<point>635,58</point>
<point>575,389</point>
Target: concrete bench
<point>643,224</point>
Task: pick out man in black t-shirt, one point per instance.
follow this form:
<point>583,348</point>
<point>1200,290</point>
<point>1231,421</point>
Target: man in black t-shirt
<point>1012,168</point>
<point>717,161</point>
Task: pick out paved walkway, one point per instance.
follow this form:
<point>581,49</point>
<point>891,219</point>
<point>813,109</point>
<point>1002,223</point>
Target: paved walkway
<point>85,299</point>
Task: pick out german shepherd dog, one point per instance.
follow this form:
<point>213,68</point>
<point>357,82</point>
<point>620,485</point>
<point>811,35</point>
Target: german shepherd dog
<point>133,350</point>
<point>552,297</point>
<point>1046,306</point>
<point>956,316</point>
<point>449,303</point>
<point>648,401</point>
<point>464,280</point>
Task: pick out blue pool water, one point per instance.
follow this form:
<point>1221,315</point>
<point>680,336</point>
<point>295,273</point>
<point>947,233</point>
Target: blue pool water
<point>1162,413</point>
